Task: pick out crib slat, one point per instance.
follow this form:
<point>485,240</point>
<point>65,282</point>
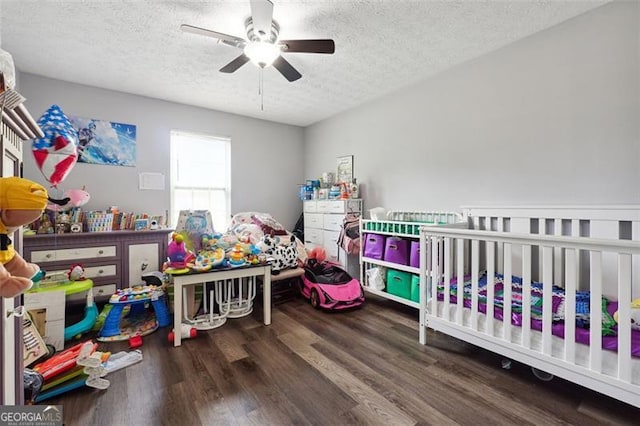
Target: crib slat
<point>542,230</point>
<point>507,291</point>
<point>595,333</point>
<point>624,317</point>
<point>526,296</point>
<point>575,227</point>
<point>475,266</point>
<point>557,253</point>
<point>571,283</point>
<point>460,274</point>
<point>424,282</point>
<point>500,257</point>
<point>433,250</point>
<point>547,291</point>
<point>447,278</point>
<point>491,279</point>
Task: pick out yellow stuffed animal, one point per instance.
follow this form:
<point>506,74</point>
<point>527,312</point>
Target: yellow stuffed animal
<point>635,315</point>
<point>21,202</point>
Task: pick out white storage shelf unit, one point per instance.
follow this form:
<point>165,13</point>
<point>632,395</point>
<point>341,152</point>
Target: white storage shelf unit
<point>410,230</point>
<point>322,225</point>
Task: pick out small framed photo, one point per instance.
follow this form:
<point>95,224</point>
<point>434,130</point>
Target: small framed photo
<point>141,224</point>
<point>345,169</point>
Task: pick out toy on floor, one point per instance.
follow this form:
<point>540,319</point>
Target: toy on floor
<point>135,341</point>
<point>81,366</point>
<point>186,332</point>
<point>70,288</point>
<point>86,323</point>
<point>330,287</point>
<point>129,317</point>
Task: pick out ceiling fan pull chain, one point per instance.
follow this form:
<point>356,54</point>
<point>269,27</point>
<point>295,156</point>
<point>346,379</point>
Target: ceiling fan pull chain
<point>261,89</point>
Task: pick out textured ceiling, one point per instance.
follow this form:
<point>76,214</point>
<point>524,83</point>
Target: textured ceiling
<point>381,46</point>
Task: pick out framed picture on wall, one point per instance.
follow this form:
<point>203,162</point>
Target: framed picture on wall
<point>345,169</point>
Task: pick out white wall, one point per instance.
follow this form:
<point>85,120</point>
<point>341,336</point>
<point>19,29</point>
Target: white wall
<point>551,119</point>
<point>266,157</point>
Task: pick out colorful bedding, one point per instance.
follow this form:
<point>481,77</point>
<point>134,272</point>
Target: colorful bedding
<point>609,328</point>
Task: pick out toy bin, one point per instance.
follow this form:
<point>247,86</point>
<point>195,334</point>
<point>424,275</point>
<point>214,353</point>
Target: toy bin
<point>374,246</point>
<point>415,288</point>
<point>396,251</point>
<point>414,254</point>
<point>399,283</point>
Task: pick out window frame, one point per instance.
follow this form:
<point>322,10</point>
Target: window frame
<point>174,168</point>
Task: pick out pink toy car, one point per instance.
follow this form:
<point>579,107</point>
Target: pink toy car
<point>330,287</point>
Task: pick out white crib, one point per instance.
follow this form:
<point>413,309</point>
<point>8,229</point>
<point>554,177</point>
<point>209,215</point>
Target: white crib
<point>577,248</point>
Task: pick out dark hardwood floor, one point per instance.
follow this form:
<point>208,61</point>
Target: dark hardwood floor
<point>311,367</point>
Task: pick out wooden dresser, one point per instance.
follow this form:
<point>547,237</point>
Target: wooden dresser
<point>112,260</point>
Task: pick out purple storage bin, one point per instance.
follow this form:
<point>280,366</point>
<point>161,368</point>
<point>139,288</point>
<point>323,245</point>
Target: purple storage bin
<point>374,246</point>
<point>396,250</point>
<point>414,254</point>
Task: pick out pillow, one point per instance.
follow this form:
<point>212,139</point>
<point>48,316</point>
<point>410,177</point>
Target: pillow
<point>268,224</point>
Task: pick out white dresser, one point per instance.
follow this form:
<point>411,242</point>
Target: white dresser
<point>322,225</point>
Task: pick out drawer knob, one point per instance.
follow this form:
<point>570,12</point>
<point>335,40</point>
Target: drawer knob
<point>100,251</point>
<point>48,256</point>
<point>100,271</point>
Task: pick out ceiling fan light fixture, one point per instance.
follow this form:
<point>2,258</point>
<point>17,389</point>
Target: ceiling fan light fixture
<point>262,53</point>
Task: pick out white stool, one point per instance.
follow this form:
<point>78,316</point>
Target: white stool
<point>220,293</point>
<point>241,304</point>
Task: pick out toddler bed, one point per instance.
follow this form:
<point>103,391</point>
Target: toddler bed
<point>540,286</point>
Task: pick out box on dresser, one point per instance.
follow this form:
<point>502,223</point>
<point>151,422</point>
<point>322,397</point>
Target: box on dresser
<point>112,260</point>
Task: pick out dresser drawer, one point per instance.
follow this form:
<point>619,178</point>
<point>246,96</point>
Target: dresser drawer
<point>90,272</point>
<point>103,291</point>
<point>309,206</point>
<point>73,254</point>
<point>331,242</point>
<point>312,235</point>
<point>333,222</point>
<point>313,220</point>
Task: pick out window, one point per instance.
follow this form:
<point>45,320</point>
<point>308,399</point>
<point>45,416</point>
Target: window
<point>201,176</point>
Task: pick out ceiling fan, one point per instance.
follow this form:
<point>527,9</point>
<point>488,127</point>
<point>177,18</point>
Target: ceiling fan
<point>262,46</point>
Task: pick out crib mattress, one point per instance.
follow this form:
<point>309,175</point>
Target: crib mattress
<point>609,358</point>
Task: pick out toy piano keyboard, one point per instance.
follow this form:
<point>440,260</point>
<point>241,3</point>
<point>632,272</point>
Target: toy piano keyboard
<point>129,315</point>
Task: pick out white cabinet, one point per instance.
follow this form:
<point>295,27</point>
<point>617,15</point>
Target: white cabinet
<point>408,231</point>
<point>407,228</point>
<point>322,225</point>
<point>142,258</point>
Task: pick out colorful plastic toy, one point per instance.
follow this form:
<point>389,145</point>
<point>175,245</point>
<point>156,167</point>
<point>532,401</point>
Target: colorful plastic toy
<point>138,321</point>
<point>330,287</point>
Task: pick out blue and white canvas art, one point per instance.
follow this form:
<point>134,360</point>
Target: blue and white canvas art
<point>105,142</point>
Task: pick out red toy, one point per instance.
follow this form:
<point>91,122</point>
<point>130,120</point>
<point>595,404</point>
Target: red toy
<point>186,331</point>
<point>135,341</point>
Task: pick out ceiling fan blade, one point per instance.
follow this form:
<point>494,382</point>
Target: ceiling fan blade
<point>262,15</point>
<point>286,69</point>
<point>235,64</point>
<point>225,38</point>
<point>308,46</point>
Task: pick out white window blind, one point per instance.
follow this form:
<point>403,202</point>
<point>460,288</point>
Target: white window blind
<point>201,176</point>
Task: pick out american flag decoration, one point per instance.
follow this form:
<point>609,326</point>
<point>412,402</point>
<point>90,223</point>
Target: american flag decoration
<point>56,153</point>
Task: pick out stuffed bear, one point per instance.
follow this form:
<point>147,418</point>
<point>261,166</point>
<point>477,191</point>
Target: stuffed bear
<point>21,202</point>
